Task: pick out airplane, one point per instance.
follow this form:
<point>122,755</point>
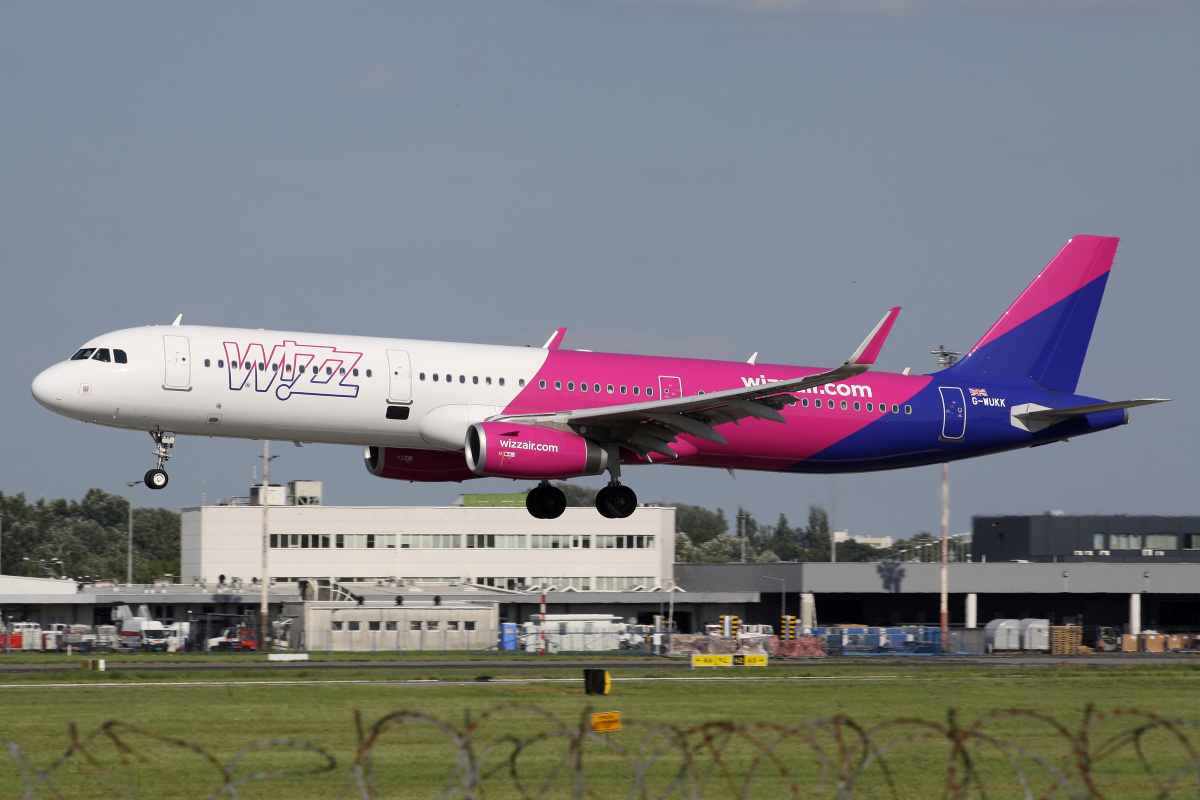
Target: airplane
<point>446,411</point>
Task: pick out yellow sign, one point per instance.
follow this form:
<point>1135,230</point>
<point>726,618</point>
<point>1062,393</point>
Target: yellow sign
<point>750,660</point>
<point>608,721</point>
<point>712,661</point>
<point>739,660</point>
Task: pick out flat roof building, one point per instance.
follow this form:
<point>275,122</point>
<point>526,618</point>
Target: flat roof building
<point>1060,538</point>
<point>490,546</point>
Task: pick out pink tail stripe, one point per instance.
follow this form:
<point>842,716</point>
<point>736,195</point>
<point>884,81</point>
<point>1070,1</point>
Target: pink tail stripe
<point>1082,260</point>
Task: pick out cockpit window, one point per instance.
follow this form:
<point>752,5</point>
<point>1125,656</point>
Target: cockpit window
<point>102,355</point>
<point>84,354</point>
<point>119,357</point>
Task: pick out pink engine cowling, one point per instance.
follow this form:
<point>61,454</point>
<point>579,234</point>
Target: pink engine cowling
<point>409,464</point>
<point>507,450</point>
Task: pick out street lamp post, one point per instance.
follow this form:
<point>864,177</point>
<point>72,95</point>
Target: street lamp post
<point>742,518</point>
<point>264,497</point>
<point>129,567</point>
<point>782,597</point>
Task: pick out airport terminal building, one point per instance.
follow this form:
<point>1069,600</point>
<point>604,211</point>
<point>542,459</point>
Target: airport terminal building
<point>499,547</point>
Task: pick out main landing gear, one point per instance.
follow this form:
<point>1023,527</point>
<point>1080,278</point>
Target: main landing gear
<point>163,442</point>
<point>545,501</point>
<point>615,501</point>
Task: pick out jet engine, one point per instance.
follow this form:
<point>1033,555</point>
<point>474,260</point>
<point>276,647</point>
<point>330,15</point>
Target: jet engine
<point>508,450</point>
<point>410,464</point>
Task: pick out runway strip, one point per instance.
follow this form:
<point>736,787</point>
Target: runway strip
<point>433,682</point>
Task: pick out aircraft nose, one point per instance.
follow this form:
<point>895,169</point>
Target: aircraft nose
<point>48,387</point>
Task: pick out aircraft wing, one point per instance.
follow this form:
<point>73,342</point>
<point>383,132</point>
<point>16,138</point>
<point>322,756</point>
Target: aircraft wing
<point>652,425</point>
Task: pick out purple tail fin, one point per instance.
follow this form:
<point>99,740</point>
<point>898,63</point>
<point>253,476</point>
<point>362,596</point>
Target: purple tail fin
<point>1043,337</point>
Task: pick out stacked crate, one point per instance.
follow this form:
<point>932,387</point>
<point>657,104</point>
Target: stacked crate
<point>1065,640</point>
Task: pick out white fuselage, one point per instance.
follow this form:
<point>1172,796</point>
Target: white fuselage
<point>283,385</point>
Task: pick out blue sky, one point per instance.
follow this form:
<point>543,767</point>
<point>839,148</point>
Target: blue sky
<point>686,178</point>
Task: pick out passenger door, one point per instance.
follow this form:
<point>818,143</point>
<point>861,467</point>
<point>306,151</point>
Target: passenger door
<point>669,387</point>
<point>954,408</point>
<point>399,377</point>
<point>177,354</point>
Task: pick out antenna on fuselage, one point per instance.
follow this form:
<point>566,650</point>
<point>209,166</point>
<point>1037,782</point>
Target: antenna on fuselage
<point>178,320</point>
<point>946,358</point>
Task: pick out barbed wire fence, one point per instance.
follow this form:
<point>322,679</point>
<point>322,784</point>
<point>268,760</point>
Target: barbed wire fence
<point>520,751</point>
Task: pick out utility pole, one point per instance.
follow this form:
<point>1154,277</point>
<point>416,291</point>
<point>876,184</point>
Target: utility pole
<point>946,358</point>
<point>129,566</point>
<point>944,603</point>
<point>742,518</point>
<point>264,498</point>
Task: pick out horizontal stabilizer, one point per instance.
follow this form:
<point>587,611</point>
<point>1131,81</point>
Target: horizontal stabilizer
<point>1034,417</point>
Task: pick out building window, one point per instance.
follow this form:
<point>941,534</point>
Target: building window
<point>390,625</point>
<point>353,625</point>
<point>1125,541</point>
<point>1098,541</point>
<point>336,625</point>
<point>431,625</point>
<point>429,541</point>
<point>557,541</point>
<point>372,626</point>
<point>625,542</point>
<point>452,625</point>
<point>614,584</point>
<point>469,625</point>
<point>415,625</point>
<point>1162,541</point>
<point>366,541</point>
<point>506,582</point>
<point>579,584</point>
<point>1191,541</point>
<point>284,541</point>
<point>504,541</point>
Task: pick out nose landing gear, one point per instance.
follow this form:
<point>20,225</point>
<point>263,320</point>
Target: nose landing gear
<point>163,442</point>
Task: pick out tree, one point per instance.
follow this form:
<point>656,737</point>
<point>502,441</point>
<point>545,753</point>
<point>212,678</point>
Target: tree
<point>89,537</point>
<point>700,524</point>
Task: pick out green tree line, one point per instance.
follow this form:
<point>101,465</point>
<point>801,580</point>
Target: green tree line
<point>65,538</point>
<point>703,536</point>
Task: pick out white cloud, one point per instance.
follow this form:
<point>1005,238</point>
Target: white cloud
<point>377,80</point>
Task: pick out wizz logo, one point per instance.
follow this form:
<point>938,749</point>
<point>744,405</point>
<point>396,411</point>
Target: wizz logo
<point>293,369</point>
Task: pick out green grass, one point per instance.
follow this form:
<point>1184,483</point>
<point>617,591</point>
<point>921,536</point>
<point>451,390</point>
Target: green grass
<point>222,718</point>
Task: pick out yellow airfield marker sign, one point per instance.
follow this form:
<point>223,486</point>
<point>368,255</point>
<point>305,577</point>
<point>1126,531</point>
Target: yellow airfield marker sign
<point>608,721</point>
<point>737,660</point>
